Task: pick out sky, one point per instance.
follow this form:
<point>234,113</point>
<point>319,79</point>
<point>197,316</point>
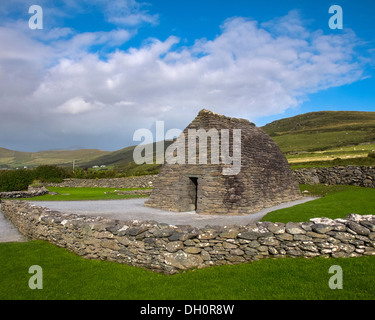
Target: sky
<point>96,71</point>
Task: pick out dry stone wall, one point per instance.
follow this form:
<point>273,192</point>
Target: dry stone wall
<point>132,182</point>
<point>31,192</point>
<point>349,175</point>
<point>170,249</point>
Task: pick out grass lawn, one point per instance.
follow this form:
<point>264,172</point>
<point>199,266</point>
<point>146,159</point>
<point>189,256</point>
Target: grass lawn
<point>74,194</point>
<point>68,276</point>
<point>337,202</point>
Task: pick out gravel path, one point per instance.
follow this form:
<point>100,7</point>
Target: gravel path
<point>133,209</point>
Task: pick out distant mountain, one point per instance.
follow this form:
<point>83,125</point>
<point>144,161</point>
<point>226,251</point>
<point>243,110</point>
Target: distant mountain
<point>13,159</point>
<point>122,158</point>
<point>307,132</point>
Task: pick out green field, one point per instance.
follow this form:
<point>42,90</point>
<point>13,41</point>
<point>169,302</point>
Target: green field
<point>14,159</point>
<point>337,202</point>
<point>315,141</point>
<point>317,138</point>
<point>68,276</point>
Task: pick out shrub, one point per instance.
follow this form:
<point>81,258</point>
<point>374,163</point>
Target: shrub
<point>16,180</point>
<point>371,154</point>
<point>85,173</point>
<point>53,174</point>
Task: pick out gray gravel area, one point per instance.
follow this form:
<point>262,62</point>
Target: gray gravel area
<point>133,209</point>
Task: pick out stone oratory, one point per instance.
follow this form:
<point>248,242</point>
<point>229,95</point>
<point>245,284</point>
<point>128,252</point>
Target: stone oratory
<point>256,176</point>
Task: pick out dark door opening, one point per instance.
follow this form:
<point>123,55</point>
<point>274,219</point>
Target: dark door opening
<point>195,192</point>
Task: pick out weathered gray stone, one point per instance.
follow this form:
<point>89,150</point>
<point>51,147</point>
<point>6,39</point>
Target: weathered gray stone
<point>251,251</point>
<point>276,228</point>
<point>369,225</point>
<point>316,235</point>
<point>321,228</point>
<point>124,241</point>
<point>174,246</point>
<point>193,250</point>
<point>227,245</point>
<point>253,244</point>
<point>230,234</point>
<point>248,235</point>
<point>301,237</point>
<point>294,228</point>
<point>369,251</point>
<point>308,247</point>
<point>342,236</point>
<point>237,252</point>
<point>175,236</point>
<point>110,244</point>
<point>136,231</point>
<point>235,258</point>
<point>269,241</point>
<point>189,242</point>
<point>272,250</point>
<point>284,237</point>
<point>348,248</point>
<point>357,228</point>
<point>161,232</point>
<point>208,234</point>
<point>205,255</point>
<point>182,260</point>
<point>262,249</point>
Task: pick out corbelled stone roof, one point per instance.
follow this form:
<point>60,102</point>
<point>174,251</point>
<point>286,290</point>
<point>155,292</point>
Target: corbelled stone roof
<point>263,180</point>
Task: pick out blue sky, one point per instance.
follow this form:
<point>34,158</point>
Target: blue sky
<point>99,70</point>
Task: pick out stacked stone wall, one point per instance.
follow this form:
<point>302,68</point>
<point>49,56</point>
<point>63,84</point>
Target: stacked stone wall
<point>170,249</point>
<point>131,182</point>
<point>31,192</point>
<point>349,175</point>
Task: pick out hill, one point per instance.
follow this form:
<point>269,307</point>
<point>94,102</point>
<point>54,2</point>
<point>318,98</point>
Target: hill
<point>13,159</point>
<point>314,136</point>
<point>318,131</point>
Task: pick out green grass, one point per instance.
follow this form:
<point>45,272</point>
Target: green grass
<point>337,202</point>
<point>344,156</point>
<point>297,142</point>
<point>323,130</point>
<point>68,276</point>
<point>362,161</point>
<point>75,194</point>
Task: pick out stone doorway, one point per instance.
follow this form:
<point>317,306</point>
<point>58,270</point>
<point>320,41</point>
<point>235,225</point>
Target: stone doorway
<point>193,193</point>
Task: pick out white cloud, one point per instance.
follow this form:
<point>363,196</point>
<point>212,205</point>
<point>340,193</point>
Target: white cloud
<point>248,70</point>
<point>77,105</point>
